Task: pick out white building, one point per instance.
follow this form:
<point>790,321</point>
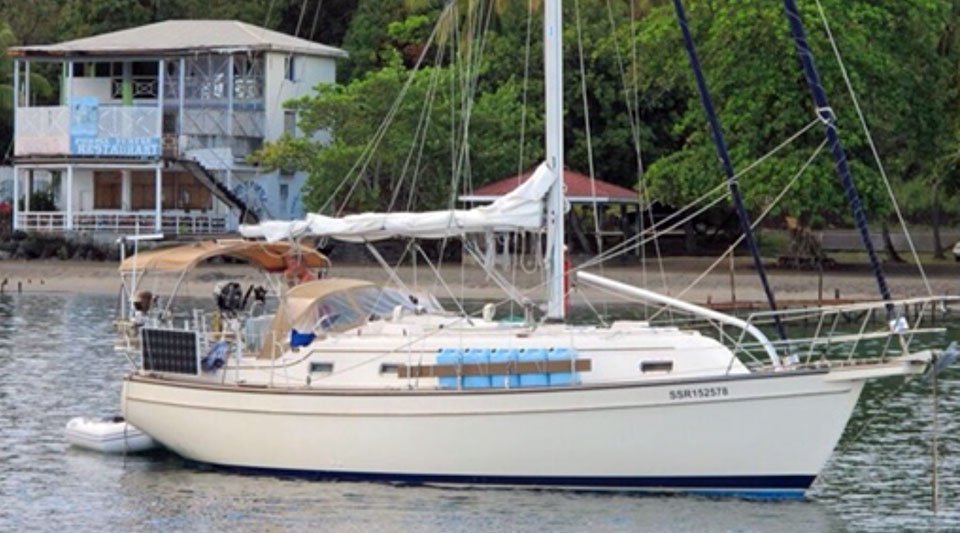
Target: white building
<point>155,124</point>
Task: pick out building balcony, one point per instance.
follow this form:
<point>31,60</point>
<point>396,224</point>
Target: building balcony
<point>91,129</point>
<point>123,222</point>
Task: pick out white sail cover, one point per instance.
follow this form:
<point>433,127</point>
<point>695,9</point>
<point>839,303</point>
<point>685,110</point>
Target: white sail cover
<point>520,209</point>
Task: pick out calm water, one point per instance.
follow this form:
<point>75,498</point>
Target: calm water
<point>56,362</point>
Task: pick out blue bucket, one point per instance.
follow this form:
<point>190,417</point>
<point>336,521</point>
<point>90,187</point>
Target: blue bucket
<point>531,355</point>
<point>449,356</point>
<point>504,355</point>
<point>476,358</point>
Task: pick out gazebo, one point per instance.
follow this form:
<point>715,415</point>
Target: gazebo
<point>610,201</point>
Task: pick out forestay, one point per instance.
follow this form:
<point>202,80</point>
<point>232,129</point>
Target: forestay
<point>520,209</point>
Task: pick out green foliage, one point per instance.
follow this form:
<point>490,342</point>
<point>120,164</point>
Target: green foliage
<point>41,90</point>
<point>40,201</point>
<point>368,35</point>
<point>407,168</point>
<point>903,58</point>
<point>761,97</point>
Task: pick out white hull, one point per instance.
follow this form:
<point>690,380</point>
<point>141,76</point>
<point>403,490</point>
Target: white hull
<point>769,433</point>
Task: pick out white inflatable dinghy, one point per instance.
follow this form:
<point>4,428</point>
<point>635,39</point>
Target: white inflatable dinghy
<point>107,435</point>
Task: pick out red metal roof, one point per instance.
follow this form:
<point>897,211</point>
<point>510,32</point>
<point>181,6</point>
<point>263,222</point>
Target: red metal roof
<point>578,188</point>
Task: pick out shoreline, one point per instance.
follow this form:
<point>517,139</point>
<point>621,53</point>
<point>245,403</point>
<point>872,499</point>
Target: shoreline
<point>468,281</point>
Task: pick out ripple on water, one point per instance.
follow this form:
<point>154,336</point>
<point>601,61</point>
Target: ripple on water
<point>57,361</point>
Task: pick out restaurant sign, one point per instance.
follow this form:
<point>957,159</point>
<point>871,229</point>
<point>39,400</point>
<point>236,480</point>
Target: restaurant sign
<point>87,137</point>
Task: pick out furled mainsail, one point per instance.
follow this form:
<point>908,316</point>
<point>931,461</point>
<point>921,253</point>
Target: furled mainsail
<point>520,209</point>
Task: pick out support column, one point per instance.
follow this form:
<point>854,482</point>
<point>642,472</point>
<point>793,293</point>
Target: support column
<point>181,85</point>
<point>68,89</point>
<point>26,83</point>
<point>16,101</point>
<point>230,102</point>
<point>637,224</point>
<point>125,190</point>
<point>161,72</point>
<point>29,191</point>
<point>126,87</point>
<point>229,162</point>
<point>69,198</point>
<point>158,198</point>
<point>16,197</point>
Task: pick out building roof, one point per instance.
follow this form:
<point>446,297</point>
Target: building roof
<point>173,37</point>
<point>578,187</point>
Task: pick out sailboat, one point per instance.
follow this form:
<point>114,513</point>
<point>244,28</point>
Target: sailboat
<point>349,380</point>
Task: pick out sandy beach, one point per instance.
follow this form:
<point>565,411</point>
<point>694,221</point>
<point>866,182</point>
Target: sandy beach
<point>852,282</point>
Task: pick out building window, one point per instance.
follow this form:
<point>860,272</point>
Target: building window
<point>142,190</point>
<point>290,68</point>
<point>107,189</point>
<point>290,122</point>
<point>284,193</point>
<point>145,68</point>
<point>103,69</point>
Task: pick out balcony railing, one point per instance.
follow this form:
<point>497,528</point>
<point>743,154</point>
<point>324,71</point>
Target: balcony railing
<point>172,222</point>
<point>42,130</point>
<point>94,130</point>
<point>140,88</point>
<point>114,130</point>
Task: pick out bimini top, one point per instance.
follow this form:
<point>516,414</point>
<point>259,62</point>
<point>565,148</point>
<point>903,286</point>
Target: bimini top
<point>271,257</point>
<point>177,37</point>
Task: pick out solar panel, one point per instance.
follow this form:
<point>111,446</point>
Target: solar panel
<point>170,350</point>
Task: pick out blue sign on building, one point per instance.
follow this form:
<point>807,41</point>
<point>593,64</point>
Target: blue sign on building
<point>112,146</point>
<point>85,134</point>
<point>83,116</point>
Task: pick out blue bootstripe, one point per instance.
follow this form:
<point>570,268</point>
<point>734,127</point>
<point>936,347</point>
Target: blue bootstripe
<point>772,486</point>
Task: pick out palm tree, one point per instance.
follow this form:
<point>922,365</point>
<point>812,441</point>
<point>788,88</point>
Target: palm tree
<point>40,88</point>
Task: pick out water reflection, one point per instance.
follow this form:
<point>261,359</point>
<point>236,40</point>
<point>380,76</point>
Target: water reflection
<point>57,361</point>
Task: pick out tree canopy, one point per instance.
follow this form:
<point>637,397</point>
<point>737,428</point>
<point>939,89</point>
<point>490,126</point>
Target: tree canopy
<point>639,96</point>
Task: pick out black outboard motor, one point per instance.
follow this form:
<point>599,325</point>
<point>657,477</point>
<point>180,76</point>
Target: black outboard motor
<point>259,296</point>
<point>229,297</point>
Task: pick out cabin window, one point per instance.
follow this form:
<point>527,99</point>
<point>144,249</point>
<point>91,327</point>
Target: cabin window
<point>389,368</point>
<point>321,367</point>
<point>380,301</point>
<point>335,312</point>
<point>656,366</point>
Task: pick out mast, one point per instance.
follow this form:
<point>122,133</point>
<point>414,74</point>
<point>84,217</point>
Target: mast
<point>707,101</point>
<point>553,92</point>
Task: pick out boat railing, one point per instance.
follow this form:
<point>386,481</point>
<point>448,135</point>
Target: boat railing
<point>875,329</point>
<point>879,329</point>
